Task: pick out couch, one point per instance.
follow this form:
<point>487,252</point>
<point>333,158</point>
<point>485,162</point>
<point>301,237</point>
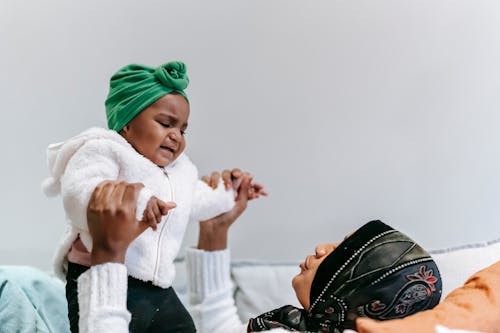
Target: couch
<point>34,301</point>
<point>260,286</point>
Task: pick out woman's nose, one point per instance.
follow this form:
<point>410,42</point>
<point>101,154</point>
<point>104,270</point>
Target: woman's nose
<point>324,249</point>
<point>320,250</point>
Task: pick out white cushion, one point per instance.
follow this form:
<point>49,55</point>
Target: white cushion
<point>261,287</point>
<point>457,264</point>
<point>442,329</point>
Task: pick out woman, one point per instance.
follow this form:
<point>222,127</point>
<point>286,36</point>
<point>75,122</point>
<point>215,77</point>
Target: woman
<point>376,272</point>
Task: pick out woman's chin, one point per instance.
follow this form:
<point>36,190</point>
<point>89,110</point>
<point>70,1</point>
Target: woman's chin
<point>300,292</point>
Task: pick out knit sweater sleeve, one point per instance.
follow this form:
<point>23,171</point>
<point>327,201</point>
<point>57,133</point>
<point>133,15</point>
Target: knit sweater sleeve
<point>102,297</point>
<point>93,163</point>
<point>210,292</point>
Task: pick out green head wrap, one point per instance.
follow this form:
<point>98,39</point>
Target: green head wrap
<point>135,87</point>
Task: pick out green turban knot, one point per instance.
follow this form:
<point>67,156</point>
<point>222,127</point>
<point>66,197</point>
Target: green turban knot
<point>135,87</point>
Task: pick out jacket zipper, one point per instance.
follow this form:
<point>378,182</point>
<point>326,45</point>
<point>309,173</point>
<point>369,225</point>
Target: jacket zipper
<point>160,237</point>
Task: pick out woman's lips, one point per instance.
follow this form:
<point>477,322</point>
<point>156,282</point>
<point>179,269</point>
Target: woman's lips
<point>304,265</point>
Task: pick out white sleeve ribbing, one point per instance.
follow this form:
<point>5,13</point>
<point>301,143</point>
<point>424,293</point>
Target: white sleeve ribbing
<point>102,297</point>
<point>211,292</point>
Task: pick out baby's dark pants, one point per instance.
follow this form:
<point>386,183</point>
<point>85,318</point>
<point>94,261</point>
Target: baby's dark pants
<point>153,309</point>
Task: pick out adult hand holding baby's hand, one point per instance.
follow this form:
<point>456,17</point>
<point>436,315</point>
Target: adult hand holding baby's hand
<point>233,178</point>
<point>111,220</point>
<point>213,232</point>
<point>155,210</point>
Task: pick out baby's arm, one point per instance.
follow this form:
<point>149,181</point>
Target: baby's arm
<point>209,202</point>
<point>93,163</point>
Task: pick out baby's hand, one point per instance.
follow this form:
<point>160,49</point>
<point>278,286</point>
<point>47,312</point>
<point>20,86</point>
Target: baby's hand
<point>256,190</point>
<point>154,211</point>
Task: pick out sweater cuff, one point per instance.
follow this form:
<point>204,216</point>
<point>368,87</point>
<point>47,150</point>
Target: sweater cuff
<point>103,286</point>
<point>208,272</point>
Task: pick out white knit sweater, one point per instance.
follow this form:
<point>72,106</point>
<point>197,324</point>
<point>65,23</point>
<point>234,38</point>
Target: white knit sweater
<point>79,164</point>
<point>102,299</point>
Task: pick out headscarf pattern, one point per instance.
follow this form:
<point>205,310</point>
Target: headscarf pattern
<point>377,272</point>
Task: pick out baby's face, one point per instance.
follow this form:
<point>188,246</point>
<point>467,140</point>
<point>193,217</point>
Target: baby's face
<point>157,132</point>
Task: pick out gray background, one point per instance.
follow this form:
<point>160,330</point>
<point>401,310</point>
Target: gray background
<point>347,111</point>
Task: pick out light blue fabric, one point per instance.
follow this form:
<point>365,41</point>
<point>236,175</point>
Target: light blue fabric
<point>31,301</point>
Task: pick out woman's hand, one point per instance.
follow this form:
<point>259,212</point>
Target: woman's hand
<point>232,178</point>
<point>213,232</point>
<point>111,220</point>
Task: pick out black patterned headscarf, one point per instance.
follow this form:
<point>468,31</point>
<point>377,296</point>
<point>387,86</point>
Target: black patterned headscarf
<point>376,272</point>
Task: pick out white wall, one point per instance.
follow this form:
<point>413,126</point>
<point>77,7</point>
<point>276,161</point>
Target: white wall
<point>347,110</point>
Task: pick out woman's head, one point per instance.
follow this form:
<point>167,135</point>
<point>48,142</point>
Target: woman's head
<point>376,272</point>
<point>149,108</point>
<point>302,282</point>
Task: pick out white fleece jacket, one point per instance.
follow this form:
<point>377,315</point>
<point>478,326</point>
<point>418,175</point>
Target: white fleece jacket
<point>79,164</point>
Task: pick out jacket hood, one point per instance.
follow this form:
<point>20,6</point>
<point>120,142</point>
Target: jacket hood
<point>59,154</point>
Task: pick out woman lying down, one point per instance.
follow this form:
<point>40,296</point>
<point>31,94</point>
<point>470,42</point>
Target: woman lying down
<point>376,272</point>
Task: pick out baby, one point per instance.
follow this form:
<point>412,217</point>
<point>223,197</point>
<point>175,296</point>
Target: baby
<point>147,112</point>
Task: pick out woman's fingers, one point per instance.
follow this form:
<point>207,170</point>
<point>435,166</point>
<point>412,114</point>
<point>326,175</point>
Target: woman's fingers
<point>118,191</point>
<point>229,178</point>
<point>226,178</point>
<point>130,195</point>
<point>236,173</point>
<point>244,190</point>
<point>214,179</point>
<point>206,179</point>
<point>105,195</point>
<point>97,191</point>
<point>234,178</point>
